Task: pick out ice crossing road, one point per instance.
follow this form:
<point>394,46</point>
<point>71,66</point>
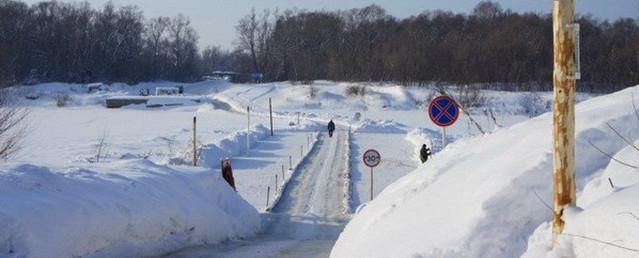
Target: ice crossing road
<point>310,215</point>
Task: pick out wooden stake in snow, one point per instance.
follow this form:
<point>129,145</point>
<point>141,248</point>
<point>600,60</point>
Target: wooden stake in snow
<point>270,111</point>
<point>248,130</point>
<point>268,195</point>
<point>564,80</point>
<point>194,142</point>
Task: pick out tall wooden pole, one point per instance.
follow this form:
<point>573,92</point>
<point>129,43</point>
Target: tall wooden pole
<point>194,141</point>
<point>248,130</point>
<point>564,80</point>
<point>270,111</point>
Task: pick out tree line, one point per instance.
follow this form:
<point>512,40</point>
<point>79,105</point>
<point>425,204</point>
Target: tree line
<point>73,42</point>
<point>488,46</point>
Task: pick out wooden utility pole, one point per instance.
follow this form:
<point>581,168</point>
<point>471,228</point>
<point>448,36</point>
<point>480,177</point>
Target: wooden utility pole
<point>566,73</point>
<point>270,111</point>
<point>194,142</point>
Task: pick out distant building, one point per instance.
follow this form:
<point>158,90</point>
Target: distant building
<point>223,75</point>
<point>161,91</point>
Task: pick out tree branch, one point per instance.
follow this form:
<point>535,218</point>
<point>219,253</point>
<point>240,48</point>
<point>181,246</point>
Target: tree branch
<point>611,157</point>
<point>602,242</point>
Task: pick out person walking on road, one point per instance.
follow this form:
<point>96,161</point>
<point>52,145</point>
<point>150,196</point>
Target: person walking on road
<point>331,128</point>
<point>424,153</point>
<point>227,173</point>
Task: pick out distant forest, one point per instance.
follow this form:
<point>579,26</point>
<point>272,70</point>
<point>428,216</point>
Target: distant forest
<point>72,42</point>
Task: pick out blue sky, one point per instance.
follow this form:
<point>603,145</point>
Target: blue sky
<point>215,20</point>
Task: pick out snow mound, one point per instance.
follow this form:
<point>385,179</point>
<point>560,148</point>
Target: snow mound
<point>477,198</point>
<point>121,209</point>
<point>381,126</point>
<point>390,97</point>
<point>420,136</point>
<point>232,145</point>
<point>609,215</point>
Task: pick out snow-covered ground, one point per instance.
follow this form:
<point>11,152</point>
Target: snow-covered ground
<point>446,207</point>
<point>478,197</point>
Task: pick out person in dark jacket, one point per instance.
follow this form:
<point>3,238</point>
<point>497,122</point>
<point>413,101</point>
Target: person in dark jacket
<point>331,128</point>
<point>424,153</point>
<point>227,173</point>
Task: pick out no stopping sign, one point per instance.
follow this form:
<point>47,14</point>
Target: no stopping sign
<point>372,158</point>
<point>443,111</point>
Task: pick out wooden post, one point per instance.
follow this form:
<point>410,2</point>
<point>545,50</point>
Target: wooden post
<point>194,141</point>
<point>301,152</point>
<point>564,81</point>
<point>268,195</point>
<point>371,184</point>
<point>290,162</point>
<point>276,189</point>
<point>270,111</point>
<point>248,130</point>
<point>298,118</point>
<point>283,172</point>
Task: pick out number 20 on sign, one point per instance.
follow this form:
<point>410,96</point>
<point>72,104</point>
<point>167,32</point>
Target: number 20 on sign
<point>372,158</point>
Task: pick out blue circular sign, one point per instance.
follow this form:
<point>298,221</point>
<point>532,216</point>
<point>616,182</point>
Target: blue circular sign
<point>443,111</point>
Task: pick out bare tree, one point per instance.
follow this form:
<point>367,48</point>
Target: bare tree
<point>248,30</point>
<point>183,47</point>
<point>156,41</point>
<point>100,148</point>
<point>12,129</point>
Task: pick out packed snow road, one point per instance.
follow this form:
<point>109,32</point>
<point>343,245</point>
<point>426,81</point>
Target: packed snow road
<point>308,218</point>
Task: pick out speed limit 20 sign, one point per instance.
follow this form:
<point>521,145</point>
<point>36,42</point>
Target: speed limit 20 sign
<point>372,158</point>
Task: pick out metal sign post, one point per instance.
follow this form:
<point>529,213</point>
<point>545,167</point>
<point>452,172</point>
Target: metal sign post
<point>372,158</point>
<point>444,112</point>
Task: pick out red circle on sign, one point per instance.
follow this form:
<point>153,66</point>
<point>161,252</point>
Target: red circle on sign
<point>368,161</point>
<point>452,118</point>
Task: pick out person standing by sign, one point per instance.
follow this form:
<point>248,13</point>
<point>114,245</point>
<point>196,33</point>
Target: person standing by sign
<point>227,173</point>
<point>424,153</point>
<point>331,128</point>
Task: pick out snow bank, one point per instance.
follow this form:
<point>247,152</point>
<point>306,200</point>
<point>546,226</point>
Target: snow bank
<point>211,154</point>
<point>121,209</point>
<point>380,126</point>
<point>420,136</point>
<point>477,197</point>
<point>607,226</point>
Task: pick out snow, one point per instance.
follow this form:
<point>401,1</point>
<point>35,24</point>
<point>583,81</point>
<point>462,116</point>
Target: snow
<point>605,225</point>
<point>446,207</point>
<point>476,198</point>
<point>124,208</point>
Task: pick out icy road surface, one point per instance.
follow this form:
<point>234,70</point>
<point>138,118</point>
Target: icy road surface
<point>309,217</point>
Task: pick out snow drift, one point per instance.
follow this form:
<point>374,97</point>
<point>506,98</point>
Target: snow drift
<point>607,224</point>
<point>121,209</point>
<point>477,197</point>
<point>232,145</point>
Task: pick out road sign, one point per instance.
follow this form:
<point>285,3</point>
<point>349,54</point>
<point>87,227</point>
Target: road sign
<point>443,111</point>
<point>372,158</point>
